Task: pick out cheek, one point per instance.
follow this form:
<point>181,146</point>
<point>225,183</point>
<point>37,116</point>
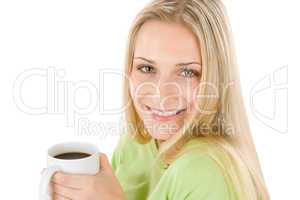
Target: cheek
<point>140,83</point>
<point>136,77</point>
<point>190,90</point>
<point>139,88</point>
<point>134,82</point>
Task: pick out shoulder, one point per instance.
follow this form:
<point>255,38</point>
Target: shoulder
<point>129,145</point>
<point>127,150</point>
<point>122,143</point>
<point>198,175</point>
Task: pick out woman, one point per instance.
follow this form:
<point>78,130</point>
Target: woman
<point>187,134</point>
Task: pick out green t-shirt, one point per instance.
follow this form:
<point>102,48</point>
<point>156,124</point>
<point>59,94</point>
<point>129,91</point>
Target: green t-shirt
<point>192,176</point>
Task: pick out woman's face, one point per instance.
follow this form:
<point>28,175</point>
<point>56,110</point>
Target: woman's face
<point>165,77</point>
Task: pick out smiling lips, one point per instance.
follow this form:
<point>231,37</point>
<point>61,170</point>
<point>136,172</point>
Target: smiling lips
<point>162,116</point>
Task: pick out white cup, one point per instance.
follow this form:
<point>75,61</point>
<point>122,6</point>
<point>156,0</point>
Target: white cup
<point>87,165</point>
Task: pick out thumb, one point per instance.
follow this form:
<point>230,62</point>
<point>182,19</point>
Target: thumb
<point>104,162</point>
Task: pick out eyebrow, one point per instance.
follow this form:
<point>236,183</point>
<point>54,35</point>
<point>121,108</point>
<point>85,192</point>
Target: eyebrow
<point>178,64</point>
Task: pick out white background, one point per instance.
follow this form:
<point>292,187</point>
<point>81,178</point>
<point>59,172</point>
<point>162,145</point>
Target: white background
<point>77,39</point>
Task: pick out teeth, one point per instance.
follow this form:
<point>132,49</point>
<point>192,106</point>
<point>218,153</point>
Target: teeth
<point>164,114</point>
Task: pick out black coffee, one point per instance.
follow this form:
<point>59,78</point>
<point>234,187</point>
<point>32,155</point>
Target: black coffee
<point>72,155</point>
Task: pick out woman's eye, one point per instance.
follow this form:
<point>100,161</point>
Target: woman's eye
<point>146,69</point>
<point>189,73</point>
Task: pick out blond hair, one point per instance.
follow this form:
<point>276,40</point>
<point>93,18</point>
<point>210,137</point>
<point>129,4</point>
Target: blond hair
<point>208,20</point>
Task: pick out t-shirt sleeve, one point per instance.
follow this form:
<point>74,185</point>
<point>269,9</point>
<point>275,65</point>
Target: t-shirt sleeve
<point>116,156</point>
<point>196,177</point>
<point>114,159</point>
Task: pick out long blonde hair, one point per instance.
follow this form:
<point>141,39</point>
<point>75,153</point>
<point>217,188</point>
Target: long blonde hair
<point>208,20</point>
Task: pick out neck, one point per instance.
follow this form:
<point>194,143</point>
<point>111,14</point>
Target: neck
<point>158,142</point>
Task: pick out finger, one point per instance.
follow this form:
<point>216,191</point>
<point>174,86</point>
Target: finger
<point>65,191</point>
<point>59,197</point>
<point>104,163</point>
<point>74,181</point>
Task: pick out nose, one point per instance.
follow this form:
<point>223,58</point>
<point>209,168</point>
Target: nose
<point>167,88</point>
<point>169,94</point>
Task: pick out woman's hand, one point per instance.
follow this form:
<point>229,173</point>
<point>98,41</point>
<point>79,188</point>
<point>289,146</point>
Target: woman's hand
<point>102,186</point>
